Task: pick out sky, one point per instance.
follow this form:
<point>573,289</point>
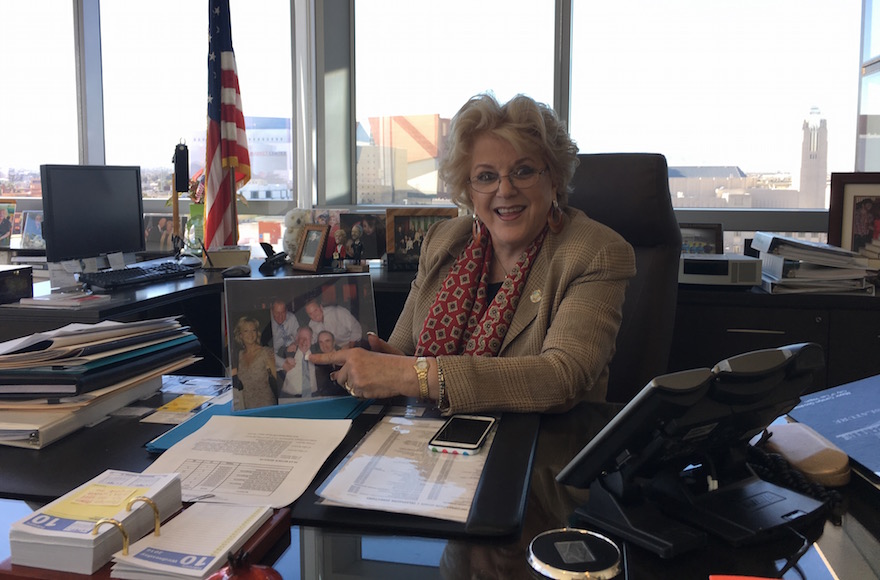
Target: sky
<point>701,88</point>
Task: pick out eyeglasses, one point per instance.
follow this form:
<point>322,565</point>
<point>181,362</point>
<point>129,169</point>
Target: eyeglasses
<point>522,178</point>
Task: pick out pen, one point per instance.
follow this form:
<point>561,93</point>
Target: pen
<point>205,250</point>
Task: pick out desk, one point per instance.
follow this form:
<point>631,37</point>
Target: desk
<point>316,551</point>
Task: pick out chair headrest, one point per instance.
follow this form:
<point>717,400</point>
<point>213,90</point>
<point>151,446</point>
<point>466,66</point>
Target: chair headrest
<point>628,192</point>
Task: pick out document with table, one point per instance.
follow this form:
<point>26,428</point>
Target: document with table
<point>393,470</point>
<point>251,460</point>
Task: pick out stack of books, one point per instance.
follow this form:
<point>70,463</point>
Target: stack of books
<point>61,535</point>
<point>56,382</point>
<point>792,266</point>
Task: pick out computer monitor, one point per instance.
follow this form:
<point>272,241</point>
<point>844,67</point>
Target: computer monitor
<point>672,465</point>
<point>91,211</point>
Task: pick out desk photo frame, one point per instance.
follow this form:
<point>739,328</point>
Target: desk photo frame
<point>854,212</point>
<point>347,313</point>
<point>310,250</point>
<point>405,230</point>
<point>701,238</point>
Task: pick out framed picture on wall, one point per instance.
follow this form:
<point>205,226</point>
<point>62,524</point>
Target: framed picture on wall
<point>702,238</point>
<point>310,251</point>
<point>405,231</point>
<point>854,213</point>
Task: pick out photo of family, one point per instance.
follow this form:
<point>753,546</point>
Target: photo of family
<point>275,324</point>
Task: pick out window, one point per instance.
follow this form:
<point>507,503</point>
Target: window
<point>753,103</point>
<point>38,101</point>
<point>412,77</point>
<point>155,91</point>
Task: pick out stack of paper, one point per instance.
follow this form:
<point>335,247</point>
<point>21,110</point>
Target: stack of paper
<point>54,383</point>
<point>195,544</point>
<point>59,536</point>
<point>792,266</point>
<point>79,358</point>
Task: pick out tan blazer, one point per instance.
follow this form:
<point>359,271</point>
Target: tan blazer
<point>562,335</point>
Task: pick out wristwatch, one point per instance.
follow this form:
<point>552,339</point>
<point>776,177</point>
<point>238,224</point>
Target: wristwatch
<point>421,367</point>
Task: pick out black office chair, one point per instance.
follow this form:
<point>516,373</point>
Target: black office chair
<point>629,192</point>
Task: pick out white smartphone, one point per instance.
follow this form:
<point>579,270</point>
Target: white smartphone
<point>462,434</point>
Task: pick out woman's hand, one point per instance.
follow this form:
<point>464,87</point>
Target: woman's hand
<point>366,374</point>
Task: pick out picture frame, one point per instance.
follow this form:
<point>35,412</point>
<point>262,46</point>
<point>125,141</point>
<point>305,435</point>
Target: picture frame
<point>310,250</point>
<point>701,238</point>
<point>404,230</point>
<point>336,311</point>
<point>373,232</point>
<point>850,194</point>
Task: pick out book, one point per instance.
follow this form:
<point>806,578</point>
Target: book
<point>849,417</point>
<point>65,300</point>
<point>194,544</point>
<point>813,252</point>
<point>74,380</point>
<point>782,268</point>
<point>59,535</point>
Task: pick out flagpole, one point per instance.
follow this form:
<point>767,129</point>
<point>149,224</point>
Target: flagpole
<point>234,206</point>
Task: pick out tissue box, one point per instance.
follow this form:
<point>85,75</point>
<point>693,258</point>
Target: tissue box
<point>226,256</point>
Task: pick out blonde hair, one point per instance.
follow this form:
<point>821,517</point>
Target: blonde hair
<point>239,327</point>
<point>530,127</point>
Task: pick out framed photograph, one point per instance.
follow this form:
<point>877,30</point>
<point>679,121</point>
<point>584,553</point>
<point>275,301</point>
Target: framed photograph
<point>159,231</point>
<point>371,229</point>
<point>702,238</point>
<point>854,212</point>
<point>405,230</point>
<point>311,247</point>
<point>7,218</point>
<point>275,324</point>
<point>32,230</point>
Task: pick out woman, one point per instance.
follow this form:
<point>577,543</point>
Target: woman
<point>516,308</point>
<point>255,377</point>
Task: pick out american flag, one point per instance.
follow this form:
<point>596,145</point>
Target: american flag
<point>227,154</point>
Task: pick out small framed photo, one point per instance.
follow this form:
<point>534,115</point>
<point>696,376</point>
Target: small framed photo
<point>371,229</point>
<point>854,212</point>
<point>32,230</point>
<point>311,247</point>
<point>405,231</point>
<point>702,238</point>
<point>7,219</point>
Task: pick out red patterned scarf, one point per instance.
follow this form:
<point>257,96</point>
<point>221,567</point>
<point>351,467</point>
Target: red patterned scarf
<point>460,322</point>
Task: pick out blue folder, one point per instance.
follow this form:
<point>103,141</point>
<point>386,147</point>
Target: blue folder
<point>323,408</point>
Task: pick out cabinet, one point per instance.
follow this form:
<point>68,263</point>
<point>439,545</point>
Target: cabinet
<point>711,325</point>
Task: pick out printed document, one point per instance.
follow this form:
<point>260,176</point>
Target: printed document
<point>251,460</point>
<point>393,470</point>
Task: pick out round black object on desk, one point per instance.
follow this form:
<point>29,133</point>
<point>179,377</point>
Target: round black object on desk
<point>570,553</point>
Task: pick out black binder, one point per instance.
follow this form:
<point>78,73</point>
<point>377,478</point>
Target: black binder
<point>496,512</point>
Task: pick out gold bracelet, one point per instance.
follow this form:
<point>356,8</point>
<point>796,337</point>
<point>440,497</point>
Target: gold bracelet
<point>442,403</point>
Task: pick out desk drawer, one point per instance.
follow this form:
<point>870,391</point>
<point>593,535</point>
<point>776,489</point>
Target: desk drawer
<point>705,335</point>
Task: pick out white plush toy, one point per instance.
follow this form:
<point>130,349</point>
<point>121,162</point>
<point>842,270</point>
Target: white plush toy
<point>294,221</point>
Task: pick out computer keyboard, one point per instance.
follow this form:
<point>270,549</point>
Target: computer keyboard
<point>136,275</point>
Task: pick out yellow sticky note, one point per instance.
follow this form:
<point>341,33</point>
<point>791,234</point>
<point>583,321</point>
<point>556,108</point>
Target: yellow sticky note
<point>184,403</point>
<point>96,501</point>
